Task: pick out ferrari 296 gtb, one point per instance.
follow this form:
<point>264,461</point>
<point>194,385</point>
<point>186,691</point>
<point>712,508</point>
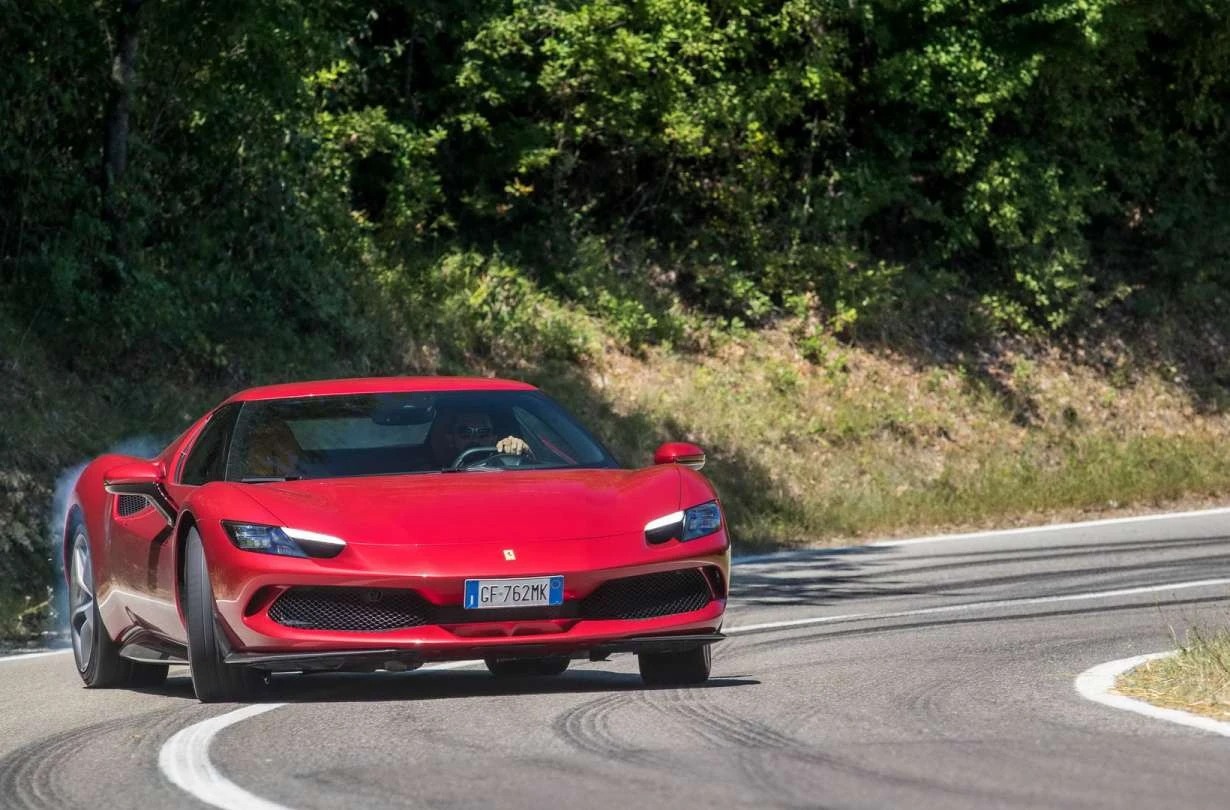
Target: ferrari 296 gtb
<point>373,524</point>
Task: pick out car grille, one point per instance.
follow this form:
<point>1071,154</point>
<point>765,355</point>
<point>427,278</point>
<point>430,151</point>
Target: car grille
<point>353,609</point>
<point>648,595</point>
<point>373,610</point>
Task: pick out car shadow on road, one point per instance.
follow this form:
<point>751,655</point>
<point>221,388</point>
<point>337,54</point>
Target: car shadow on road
<point>776,640</point>
<point>436,684</point>
<point>830,576</point>
<point>816,577</point>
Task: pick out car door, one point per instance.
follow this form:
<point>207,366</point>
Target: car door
<point>142,550</point>
<point>139,548</point>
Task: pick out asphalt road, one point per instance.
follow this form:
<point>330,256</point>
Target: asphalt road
<point>933,675</point>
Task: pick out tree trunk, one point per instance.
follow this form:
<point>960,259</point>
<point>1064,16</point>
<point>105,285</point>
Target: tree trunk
<point>115,132</point>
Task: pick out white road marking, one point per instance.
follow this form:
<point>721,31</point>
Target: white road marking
<point>972,606</point>
<point>1059,527</point>
<point>1098,684</point>
<point>24,656</point>
<point>184,758</point>
<point>779,556</point>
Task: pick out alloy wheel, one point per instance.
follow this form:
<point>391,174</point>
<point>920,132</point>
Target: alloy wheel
<point>81,603</point>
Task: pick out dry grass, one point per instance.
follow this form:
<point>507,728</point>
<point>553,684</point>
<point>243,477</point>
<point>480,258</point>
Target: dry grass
<point>866,443</point>
<point>810,441</point>
<point>1196,680</point>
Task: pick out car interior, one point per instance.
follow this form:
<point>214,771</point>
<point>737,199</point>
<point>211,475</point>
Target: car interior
<point>279,448</point>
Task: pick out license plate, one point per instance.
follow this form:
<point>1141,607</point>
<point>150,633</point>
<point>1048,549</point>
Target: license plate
<point>506,593</point>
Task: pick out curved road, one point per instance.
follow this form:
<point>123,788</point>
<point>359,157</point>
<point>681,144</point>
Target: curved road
<point>928,674</point>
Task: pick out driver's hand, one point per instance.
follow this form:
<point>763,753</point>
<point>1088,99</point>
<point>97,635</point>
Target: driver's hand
<point>513,446</point>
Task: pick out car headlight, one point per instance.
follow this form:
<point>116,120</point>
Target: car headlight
<point>684,525</point>
<point>282,541</point>
<point>701,520</point>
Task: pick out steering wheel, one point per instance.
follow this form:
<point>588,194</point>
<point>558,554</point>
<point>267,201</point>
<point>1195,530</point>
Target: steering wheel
<point>492,453</point>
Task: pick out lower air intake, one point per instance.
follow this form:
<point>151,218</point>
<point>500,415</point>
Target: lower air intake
<point>358,610</point>
<point>648,595</point>
<point>127,505</point>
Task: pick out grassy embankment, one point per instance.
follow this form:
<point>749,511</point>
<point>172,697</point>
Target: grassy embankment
<point>811,441</point>
<point>1197,679</point>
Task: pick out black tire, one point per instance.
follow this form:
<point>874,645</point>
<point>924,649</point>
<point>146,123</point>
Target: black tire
<point>682,668</point>
<point>526,667</point>
<point>96,654</point>
<point>214,680</point>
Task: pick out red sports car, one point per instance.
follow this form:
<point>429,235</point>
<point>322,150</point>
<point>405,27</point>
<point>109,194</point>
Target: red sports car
<point>383,523</point>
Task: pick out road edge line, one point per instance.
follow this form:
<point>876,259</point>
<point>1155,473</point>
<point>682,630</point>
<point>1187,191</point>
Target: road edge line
<point>959,607</point>
<point>799,553</point>
<point>184,758</point>
<point>1098,685</point>
<point>36,654</point>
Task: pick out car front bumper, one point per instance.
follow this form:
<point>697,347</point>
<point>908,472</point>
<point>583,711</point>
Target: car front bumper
<point>246,585</point>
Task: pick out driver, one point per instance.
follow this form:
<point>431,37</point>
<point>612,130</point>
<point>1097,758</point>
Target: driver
<point>472,429</point>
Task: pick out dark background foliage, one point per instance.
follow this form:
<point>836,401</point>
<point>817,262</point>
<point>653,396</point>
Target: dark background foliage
<point>295,168</point>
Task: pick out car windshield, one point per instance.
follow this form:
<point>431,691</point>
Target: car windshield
<point>397,433</point>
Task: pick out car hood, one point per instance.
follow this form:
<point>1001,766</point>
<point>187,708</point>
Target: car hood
<point>437,508</point>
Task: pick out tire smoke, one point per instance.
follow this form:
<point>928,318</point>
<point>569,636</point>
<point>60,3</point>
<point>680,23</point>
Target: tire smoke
<point>138,446</point>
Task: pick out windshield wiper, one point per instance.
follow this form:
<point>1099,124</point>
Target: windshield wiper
<point>270,479</point>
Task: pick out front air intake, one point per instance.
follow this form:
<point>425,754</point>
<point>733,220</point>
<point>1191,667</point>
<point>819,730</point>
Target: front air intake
<point>648,596</point>
<point>359,610</point>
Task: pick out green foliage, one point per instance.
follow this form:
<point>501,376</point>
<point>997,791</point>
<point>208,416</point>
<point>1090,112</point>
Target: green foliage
<point>486,307</point>
<point>25,555</point>
<point>291,163</point>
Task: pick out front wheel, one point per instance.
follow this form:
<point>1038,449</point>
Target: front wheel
<point>526,667</point>
<point>682,668</point>
<point>213,679</point>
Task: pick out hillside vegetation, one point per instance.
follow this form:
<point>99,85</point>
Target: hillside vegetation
<point>896,263</point>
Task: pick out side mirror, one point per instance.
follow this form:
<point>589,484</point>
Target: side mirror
<point>132,473</point>
<point>144,480</point>
<point>685,453</point>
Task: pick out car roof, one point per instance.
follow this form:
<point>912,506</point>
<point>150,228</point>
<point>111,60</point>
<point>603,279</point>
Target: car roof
<point>378,385</point>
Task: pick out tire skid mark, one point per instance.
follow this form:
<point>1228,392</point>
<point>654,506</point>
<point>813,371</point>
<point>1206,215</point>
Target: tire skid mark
<point>928,702</point>
<point>753,743</point>
<point>739,649</point>
<point>925,703</point>
<point>38,775</point>
<point>714,723</point>
<point>25,776</point>
<point>587,727</point>
<point>762,750</point>
<point>808,707</point>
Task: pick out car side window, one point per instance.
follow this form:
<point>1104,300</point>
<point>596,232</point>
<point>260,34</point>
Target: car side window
<point>207,460</point>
